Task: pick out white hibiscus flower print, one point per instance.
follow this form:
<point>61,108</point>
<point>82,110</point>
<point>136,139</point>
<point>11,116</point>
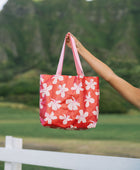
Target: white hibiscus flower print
<point>97,93</point>
<point>41,106</point>
<point>89,100</point>
<point>50,117</point>
<point>70,77</point>
<point>65,119</point>
<point>57,77</point>
<point>62,90</point>
<point>41,80</point>
<point>96,112</point>
<point>90,84</point>
<point>92,125</point>
<point>77,87</point>
<point>73,127</point>
<point>54,104</point>
<point>45,90</point>
<point>72,104</point>
<point>82,116</point>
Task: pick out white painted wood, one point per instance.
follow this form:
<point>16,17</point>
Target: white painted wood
<point>14,156</point>
<point>68,160</point>
<point>12,143</point>
<point>8,145</point>
<point>17,144</point>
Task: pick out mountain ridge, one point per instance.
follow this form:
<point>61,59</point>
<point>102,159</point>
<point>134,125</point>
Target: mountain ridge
<point>32,33</point>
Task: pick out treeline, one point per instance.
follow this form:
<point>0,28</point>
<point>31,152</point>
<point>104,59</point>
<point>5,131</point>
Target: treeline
<point>31,37</point>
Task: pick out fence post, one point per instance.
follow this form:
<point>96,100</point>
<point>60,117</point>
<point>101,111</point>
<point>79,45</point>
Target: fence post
<point>13,143</point>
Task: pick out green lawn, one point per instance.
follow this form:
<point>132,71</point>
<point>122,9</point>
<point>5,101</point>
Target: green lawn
<point>116,135</point>
<point>26,123</point>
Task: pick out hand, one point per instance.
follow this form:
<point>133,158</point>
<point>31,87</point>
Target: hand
<point>77,42</point>
<point>68,40</point>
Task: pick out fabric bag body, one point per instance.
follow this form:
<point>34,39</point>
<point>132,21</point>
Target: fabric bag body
<point>69,102</point>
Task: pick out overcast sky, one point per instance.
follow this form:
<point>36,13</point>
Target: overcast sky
<point>2,3</point>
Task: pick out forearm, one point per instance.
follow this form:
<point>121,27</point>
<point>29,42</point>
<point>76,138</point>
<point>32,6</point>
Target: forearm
<point>98,66</point>
<point>129,92</point>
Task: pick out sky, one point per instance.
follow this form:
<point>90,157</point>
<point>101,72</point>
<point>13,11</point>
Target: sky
<point>2,3</point>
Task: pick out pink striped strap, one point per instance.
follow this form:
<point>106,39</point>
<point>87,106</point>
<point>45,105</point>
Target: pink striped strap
<point>76,58</point>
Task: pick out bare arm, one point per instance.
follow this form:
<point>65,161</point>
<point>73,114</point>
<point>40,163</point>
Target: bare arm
<point>129,92</point>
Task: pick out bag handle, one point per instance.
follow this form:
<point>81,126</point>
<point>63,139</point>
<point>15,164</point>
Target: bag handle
<point>76,58</point>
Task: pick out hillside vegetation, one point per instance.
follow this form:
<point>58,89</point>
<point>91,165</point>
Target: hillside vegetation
<point>32,33</point>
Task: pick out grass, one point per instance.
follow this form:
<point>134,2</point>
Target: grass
<point>115,135</point>
<point>25,123</point>
<point>31,167</point>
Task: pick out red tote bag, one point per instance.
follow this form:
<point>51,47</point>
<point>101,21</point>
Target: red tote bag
<point>69,102</point>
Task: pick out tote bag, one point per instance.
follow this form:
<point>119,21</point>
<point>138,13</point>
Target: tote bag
<point>69,102</point>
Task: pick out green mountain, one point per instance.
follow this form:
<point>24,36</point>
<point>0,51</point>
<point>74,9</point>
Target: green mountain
<point>31,37</point>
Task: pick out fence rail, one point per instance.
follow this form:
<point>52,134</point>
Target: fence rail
<point>14,156</point>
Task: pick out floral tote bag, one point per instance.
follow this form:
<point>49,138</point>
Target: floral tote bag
<point>69,102</point>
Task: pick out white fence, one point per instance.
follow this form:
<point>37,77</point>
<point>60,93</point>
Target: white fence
<point>14,156</point>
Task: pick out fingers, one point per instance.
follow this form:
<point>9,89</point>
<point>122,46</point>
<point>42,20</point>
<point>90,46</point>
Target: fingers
<point>68,37</point>
<point>68,34</point>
